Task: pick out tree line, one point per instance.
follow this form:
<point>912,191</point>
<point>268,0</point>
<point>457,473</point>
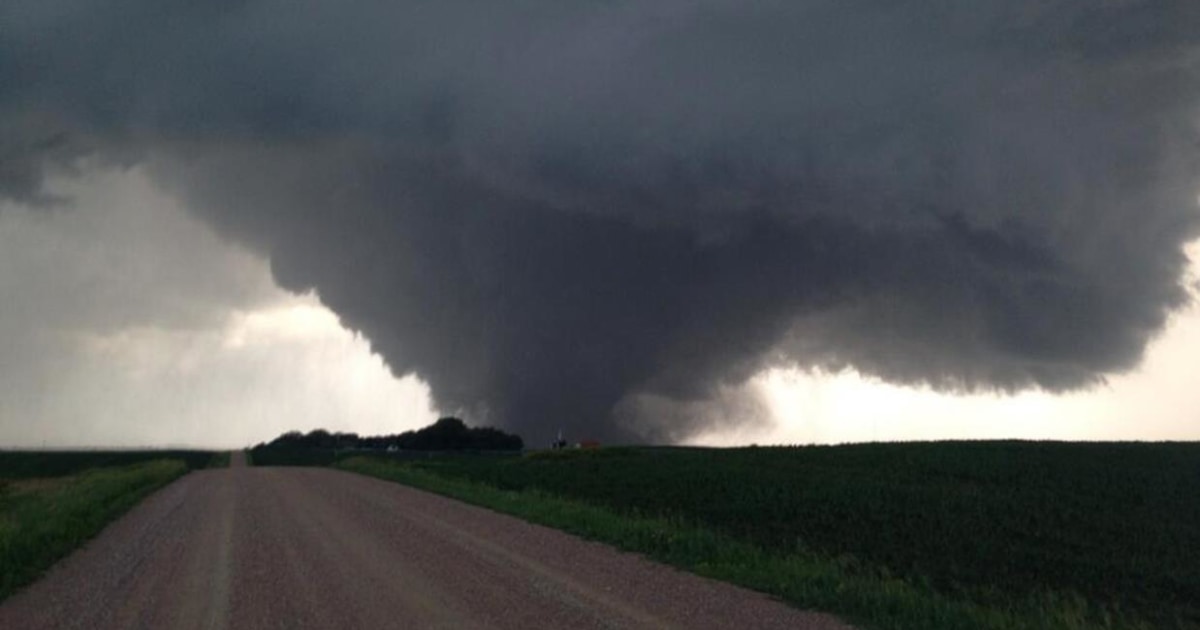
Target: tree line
<point>447,434</point>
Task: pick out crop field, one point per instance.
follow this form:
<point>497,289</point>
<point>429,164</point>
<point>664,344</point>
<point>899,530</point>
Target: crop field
<point>1108,534</point>
<point>42,464</point>
<point>52,502</point>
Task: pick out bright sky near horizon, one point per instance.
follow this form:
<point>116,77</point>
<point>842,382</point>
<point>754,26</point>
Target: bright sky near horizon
<point>128,323</point>
<point>1160,400</point>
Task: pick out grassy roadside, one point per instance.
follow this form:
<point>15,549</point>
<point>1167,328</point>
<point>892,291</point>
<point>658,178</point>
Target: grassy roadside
<point>43,519</point>
<point>866,595</point>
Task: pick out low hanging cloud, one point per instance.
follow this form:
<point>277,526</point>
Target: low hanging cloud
<point>581,214</point>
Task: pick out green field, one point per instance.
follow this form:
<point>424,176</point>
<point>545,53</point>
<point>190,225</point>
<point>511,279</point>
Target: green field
<point>42,464</point>
<point>52,502</point>
<point>1033,534</point>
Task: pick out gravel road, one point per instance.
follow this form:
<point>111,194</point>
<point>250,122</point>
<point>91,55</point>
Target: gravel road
<point>249,548</point>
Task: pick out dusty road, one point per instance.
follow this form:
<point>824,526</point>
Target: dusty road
<point>249,548</point>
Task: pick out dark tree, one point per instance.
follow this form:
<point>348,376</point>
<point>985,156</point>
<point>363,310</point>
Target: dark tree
<point>447,434</point>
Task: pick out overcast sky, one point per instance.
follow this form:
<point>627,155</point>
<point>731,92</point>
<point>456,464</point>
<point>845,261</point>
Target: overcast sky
<point>129,323</point>
<point>717,221</point>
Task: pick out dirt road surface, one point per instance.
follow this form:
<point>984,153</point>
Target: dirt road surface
<point>251,548</point>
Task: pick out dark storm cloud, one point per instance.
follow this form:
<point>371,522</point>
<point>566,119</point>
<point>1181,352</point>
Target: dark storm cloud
<point>554,210</point>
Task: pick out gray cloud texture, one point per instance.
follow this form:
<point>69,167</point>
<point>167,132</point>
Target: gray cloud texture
<point>552,211</point>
